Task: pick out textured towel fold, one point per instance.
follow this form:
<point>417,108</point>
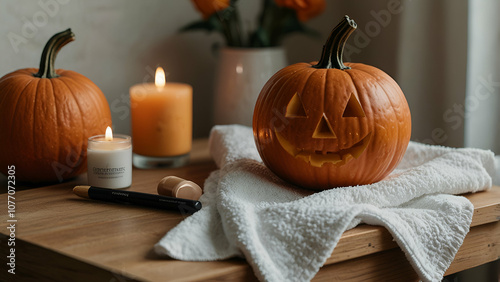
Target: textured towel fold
<point>287,233</point>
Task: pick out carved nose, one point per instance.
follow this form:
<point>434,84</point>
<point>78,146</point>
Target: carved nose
<point>324,129</point>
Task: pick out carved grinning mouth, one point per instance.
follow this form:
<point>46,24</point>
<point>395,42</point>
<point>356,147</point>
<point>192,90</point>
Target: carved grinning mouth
<point>318,158</point>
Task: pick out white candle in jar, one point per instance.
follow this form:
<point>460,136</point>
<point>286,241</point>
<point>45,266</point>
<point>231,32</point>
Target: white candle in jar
<point>109,160</point>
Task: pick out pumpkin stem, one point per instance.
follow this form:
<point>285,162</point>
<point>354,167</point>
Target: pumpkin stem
<point>331,57</point>
<point>50,51</point>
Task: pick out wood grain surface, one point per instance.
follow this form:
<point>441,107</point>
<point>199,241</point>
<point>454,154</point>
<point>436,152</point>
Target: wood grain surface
<point>71,236</point>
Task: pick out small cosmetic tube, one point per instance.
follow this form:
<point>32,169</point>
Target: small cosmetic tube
<point>174,186</point>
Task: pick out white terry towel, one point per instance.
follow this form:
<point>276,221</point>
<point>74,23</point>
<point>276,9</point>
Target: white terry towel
<point>286,233</point>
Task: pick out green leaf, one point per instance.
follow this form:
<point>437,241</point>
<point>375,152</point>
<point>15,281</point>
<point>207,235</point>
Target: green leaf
<point>204,25</point>
<point>292,24</point>
<point>213,23</point>
<point>260,38</point>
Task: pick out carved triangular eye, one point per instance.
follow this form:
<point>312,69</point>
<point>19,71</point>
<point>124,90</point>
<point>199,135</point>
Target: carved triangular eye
<point>324,129</point>
<point>353,108</point>
<point>295,108</point>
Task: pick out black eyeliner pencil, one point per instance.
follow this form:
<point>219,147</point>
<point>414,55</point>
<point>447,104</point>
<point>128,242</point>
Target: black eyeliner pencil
<point>137,198</point>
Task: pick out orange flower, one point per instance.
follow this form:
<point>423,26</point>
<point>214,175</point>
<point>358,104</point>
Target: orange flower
<point>209,7</point>
<point>305,9</point>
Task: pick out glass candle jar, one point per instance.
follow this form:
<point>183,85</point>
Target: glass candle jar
<point>109,162</point>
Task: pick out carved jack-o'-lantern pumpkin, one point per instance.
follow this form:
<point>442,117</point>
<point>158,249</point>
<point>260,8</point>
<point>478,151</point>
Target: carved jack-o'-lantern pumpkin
<point>326,124</point>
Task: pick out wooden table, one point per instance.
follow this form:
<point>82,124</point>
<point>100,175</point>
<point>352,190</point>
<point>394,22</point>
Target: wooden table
<point>61,237</point>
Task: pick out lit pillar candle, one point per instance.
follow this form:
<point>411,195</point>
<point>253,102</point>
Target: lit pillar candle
<point>109,160</point>
<point>162,117</point>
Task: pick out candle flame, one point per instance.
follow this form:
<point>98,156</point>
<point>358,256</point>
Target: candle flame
<point>160,77</point>
<point>109,134</point>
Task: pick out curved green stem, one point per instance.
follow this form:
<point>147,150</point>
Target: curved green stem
<point>50,51</point>
<point>331,57</point>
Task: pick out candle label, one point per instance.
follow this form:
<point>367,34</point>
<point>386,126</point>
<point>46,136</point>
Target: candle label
<point>109,172</point>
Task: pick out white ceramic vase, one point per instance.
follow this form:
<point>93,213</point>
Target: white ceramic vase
<point>241,74</point>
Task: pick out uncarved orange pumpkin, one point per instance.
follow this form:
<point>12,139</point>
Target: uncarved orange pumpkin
<point>46,117</point>
<point>329,124</point>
